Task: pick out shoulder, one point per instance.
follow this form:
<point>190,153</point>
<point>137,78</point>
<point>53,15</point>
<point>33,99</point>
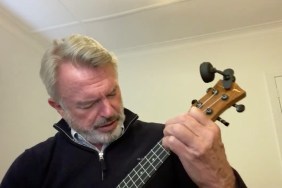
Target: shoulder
<point>149,125</point>
<point>41,149</point>
<point>140,130</point>
<point>36,154</point>
<point>132,121</point>
<point>33,160</point>
<point>153,128</point>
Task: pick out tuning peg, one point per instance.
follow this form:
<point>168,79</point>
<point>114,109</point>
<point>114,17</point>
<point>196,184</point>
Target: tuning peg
<point>239,107</point>
<point>196,103</point>
<point>222,121</point>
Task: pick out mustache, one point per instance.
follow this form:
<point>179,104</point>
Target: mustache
<point>104,121</point>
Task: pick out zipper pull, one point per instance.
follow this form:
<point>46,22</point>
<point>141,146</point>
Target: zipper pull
<point>103,165</point>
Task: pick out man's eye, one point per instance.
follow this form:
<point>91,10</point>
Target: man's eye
<point>86,106</point>
<point>112,94</point>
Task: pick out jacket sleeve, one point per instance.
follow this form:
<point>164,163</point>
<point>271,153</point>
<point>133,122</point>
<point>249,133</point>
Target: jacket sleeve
<point>184,180</point>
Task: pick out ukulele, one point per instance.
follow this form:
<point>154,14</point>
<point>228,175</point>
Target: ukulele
<point>217,99</point>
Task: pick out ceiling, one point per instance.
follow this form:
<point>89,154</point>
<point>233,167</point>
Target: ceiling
<point>123,24</point>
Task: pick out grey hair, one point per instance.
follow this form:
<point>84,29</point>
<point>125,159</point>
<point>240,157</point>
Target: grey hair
<point>75,49</point>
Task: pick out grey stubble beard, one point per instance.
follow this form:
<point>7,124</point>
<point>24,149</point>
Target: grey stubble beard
<point>95,137</point>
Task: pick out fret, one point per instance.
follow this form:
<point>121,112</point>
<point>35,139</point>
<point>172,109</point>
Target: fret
<point>145,168</point>
<point>156,155</point>
<point>135,177</point>
<point>139,175</point>
<point>143,174</point>
<point>131,180</point>
<point>127,182</point>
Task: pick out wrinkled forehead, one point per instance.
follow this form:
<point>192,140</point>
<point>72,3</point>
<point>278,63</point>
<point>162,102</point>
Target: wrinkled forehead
<point>71,78</point>
<point>67,70</point>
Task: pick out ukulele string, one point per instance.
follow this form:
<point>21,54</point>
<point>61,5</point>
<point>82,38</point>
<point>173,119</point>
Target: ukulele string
<point>208,99</point>
<point>213,104</point>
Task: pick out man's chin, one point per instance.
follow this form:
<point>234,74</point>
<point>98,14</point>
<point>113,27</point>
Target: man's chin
<point>103,136</point>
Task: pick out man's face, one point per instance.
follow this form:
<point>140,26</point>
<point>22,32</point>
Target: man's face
<point>91,101</point>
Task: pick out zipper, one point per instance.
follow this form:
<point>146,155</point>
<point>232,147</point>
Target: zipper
<point>103,164</point>
<point>101,153</point>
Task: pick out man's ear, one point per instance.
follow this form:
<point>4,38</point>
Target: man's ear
<point>57,106</point>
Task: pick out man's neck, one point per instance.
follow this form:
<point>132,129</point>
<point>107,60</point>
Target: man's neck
<point>98,146</point>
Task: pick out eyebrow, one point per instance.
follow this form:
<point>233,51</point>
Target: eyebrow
<point>82,103</point>
<point>86,102</point>
<point>113,90</point>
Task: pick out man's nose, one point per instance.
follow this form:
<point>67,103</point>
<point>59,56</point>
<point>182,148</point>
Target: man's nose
<point>107,109</point>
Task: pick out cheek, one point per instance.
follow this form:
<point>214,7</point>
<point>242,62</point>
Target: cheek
<point>117,105</point>
<point>85,118</point>
<point>119,100</point>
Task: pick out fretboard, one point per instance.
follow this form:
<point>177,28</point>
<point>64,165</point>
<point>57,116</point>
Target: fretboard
<point>145,168</point>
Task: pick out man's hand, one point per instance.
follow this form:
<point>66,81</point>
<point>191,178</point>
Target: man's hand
<point>197,142</point>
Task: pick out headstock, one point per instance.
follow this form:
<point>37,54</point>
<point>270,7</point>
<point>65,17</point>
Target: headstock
<point>223,95</point>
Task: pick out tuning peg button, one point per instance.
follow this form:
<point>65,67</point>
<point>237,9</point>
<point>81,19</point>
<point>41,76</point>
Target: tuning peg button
<point>196,103</point>
<point>239,107</point>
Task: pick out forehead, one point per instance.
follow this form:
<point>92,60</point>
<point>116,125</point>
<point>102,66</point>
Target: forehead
<point>77,79</point>
<point>69,70</point>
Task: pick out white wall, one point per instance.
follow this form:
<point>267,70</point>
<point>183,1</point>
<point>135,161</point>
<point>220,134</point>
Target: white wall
<point>25,118</point>
<point>158,82</point>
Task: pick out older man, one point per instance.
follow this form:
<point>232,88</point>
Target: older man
<point>99,141</point>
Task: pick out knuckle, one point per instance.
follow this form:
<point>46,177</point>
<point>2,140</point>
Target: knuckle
<point>171,140</point>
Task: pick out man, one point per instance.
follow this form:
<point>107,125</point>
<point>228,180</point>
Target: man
<point>99,141</point>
